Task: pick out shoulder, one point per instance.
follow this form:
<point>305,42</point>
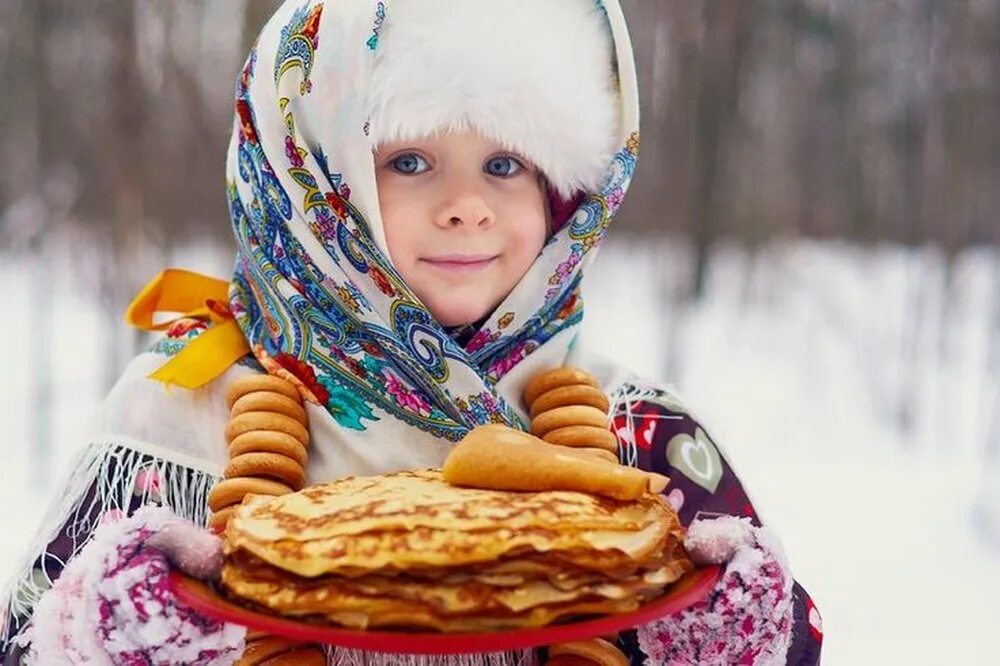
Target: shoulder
<point>174,422</point>
<point>658,431</point>
<point>628,389</point>
<point>178,336</point>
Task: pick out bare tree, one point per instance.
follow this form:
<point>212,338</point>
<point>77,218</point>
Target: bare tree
<point>29,218</point>
<point>720,79</point>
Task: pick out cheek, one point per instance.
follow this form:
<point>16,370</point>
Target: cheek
<point>533,227</point>
<point>395,236</point>
<point>394,221</point>
<point>529,234</point>
<point>525,206</point>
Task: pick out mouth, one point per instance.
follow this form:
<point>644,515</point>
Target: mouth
<point>460,263</point>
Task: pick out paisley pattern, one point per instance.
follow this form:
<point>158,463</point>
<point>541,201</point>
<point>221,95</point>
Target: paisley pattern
<point>313,288</point>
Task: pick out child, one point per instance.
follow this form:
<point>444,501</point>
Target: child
<point>415,188</point>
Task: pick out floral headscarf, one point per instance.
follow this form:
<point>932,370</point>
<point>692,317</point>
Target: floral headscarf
<point>314,291</point>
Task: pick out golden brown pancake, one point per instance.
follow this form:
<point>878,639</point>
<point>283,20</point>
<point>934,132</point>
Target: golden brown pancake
<point>385,602</point>
<point>409,550</point>
<point>405,500</point>
<point>414,519</point>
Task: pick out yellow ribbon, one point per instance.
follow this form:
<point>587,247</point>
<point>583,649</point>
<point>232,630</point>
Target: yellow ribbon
<point>191,295</point>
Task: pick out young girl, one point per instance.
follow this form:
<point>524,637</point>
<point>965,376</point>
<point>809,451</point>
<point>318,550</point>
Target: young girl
<point>415,189</point>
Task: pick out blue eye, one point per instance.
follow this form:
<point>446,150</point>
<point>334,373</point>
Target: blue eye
<point>409,164</point>
<point>502,166</point>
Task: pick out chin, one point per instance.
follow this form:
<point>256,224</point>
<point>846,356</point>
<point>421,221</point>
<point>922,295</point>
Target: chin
<point>458,314</point>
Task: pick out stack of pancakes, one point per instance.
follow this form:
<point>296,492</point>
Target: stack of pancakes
<point>408,550</point>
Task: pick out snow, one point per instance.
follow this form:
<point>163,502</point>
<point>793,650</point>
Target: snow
<point>850,390</point>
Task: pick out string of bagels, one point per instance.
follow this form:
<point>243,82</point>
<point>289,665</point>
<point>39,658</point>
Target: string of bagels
<point>570,447</point>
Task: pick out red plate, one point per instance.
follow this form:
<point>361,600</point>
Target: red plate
<point>688,591</point>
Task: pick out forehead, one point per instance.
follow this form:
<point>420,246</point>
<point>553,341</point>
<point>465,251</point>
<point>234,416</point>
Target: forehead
<point>445,141</point>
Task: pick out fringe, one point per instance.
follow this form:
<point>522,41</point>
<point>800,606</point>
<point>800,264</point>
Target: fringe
<point>106,478</point>
<point>634,391</point>
<point>624,399</point>
<point>343,657</point>
<point>103,480</point>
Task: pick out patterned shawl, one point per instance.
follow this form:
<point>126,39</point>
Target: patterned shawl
<point>313,289</point>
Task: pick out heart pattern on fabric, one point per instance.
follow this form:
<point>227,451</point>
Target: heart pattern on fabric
<point>646,434</point>
<point>696,458</point>
<point>676,499</point>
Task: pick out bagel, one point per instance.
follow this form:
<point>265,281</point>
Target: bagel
<point>573,394</point>
<point>544,382</point>
<point>267,465</point>
<point>596,651</point>
<point>269,441</point>
<point>270,401</point>
<point>232,491</point>
<point>251,421</point>
<point>572,415</point>
<point>253,383</point>
<point>582,436</point>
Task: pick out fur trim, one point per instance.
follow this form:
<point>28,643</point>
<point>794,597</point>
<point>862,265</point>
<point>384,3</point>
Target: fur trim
<point>535,76</point>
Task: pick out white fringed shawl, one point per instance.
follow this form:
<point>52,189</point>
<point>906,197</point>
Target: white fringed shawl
<point>177,435</point>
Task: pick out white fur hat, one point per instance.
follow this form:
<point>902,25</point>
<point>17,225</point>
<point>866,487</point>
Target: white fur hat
<point>535,75</point>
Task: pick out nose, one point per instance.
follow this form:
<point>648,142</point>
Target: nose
<point>464,207</point>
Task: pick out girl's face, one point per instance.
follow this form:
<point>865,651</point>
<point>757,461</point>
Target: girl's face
<point>464,220</point>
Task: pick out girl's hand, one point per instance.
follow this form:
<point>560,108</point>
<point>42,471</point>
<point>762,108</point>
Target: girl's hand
<point>113,602</point>
<point>193,550</point>
<point>747,619</point>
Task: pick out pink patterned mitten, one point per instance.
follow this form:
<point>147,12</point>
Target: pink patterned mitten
<point>112,603</point>
<point>747,619</point>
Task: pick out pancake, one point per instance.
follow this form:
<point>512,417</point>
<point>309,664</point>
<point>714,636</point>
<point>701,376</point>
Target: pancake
<point>412,520</point>
<point>408,550</point>
<point>385,602</point>
<point>407,500</point>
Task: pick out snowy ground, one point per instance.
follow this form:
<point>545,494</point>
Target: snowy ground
<point>854,399</point>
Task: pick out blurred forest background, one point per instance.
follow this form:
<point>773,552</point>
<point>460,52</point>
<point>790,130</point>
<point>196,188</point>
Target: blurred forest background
<point>814,228</point>
<point>866,121</point>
